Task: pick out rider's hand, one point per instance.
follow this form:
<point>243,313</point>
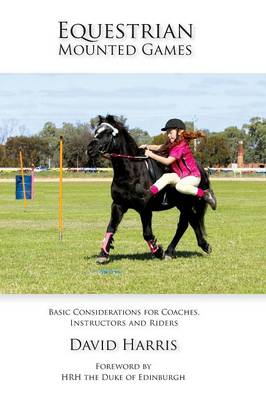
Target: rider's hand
<point>148,153</point>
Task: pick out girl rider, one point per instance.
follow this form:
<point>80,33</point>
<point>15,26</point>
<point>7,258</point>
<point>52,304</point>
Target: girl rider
<point>185,175</point>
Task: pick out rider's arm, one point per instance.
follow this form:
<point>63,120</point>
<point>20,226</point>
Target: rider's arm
<point>163,160</point>
<point>154,147</point>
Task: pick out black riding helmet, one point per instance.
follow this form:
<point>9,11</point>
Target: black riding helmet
<point>174,124</point>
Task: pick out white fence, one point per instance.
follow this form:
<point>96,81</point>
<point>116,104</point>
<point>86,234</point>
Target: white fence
<point>237,171</point>
<point>211,171</point>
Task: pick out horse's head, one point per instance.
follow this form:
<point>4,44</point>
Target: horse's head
<point>105,137</point>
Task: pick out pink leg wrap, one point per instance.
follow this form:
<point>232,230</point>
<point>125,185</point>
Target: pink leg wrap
<point>152,245</point>
<point>200,192</point>
<point>106,242</point>
<point>154,190</point>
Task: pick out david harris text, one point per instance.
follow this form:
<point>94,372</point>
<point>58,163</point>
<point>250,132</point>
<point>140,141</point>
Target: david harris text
<point>125,344</point>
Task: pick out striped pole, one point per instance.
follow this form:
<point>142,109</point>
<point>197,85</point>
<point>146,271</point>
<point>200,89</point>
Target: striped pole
<point>32,181</point>
<point>23,179</point>
<point>60,208</point>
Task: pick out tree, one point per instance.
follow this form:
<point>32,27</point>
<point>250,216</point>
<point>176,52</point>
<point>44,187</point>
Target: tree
<point>48,130</point>
<point>9,128</point>
<point>33,149</point>
<point>75,150</point>
<point>76,139</point>
<point>49,134</point>
<point>257,136</point>
<point>140,136</point>
<point>3,160</point>
<point>159,139</point>
<point>234,136</point>
<point>190,125</point>
<point>214,151</point>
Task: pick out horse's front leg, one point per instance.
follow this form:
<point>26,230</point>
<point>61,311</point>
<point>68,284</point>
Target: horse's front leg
<point>117,212</point>
<point>146,219</point>
<point>181,229</point>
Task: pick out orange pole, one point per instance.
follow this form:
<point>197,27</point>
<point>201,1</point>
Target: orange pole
<point>23,180</point>
<point>60,208</point>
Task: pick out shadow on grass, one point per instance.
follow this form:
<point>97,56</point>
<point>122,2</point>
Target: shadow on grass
<point>117,257</point>
<point>188,254</point>
<point>145,256</point>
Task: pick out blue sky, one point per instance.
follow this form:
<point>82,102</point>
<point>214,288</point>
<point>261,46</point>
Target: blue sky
<point>213,101</point>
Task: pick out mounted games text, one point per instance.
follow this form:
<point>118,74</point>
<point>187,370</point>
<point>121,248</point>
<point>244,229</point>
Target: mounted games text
<point>120,39</point>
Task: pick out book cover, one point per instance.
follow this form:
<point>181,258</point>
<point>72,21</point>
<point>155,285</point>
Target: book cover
<point>97,298</point>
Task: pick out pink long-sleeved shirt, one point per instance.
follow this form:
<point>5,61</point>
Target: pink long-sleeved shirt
<point>185,164</point>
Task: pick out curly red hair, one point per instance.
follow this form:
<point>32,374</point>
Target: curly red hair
<point>187,135</point>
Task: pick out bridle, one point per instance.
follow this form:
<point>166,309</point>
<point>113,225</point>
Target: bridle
<point>102,127</point>
<point>110,156</point>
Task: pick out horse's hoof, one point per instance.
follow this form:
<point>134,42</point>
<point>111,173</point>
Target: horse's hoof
<point>206,248</point>
<point>159,253</point>
<point>169,255</point>
<point>102,260</point>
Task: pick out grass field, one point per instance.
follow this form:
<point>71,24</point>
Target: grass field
<point>33,260</point>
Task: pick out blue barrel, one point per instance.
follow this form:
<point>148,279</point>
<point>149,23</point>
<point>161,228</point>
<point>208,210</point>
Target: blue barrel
<point>19,187</point>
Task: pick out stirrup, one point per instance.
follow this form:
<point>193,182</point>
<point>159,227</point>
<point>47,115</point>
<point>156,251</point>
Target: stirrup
<point>164,201</point>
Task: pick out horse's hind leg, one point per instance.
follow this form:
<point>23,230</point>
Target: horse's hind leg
<point>181,229</point>
<point>156,250</point>
<point>202,242</point>
<point>117,212</point>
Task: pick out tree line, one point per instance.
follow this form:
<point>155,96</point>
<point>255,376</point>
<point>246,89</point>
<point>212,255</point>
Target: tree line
<point>217,149</point>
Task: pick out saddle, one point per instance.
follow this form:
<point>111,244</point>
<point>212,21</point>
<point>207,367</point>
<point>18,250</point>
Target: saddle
<point>155,169</point>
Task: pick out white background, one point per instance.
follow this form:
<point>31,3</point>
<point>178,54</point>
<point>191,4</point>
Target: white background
<point>222,352</point>
<point>229,35</point>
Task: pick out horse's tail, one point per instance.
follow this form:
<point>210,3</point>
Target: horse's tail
<point>204,182</point>
<point>201,206</point>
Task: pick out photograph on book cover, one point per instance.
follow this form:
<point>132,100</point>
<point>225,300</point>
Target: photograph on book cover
<point>169,168</point>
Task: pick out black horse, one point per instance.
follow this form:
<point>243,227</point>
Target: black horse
<point>130,189</point>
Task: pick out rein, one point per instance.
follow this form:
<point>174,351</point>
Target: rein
<point>128,157</point>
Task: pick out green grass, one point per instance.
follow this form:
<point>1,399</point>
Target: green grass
<point>33,260</point>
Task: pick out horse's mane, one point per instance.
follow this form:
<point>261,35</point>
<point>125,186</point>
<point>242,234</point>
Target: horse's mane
<point>114,121</point>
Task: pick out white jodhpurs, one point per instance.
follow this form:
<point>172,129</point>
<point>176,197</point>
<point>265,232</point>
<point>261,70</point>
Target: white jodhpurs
<point>187,185</point>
